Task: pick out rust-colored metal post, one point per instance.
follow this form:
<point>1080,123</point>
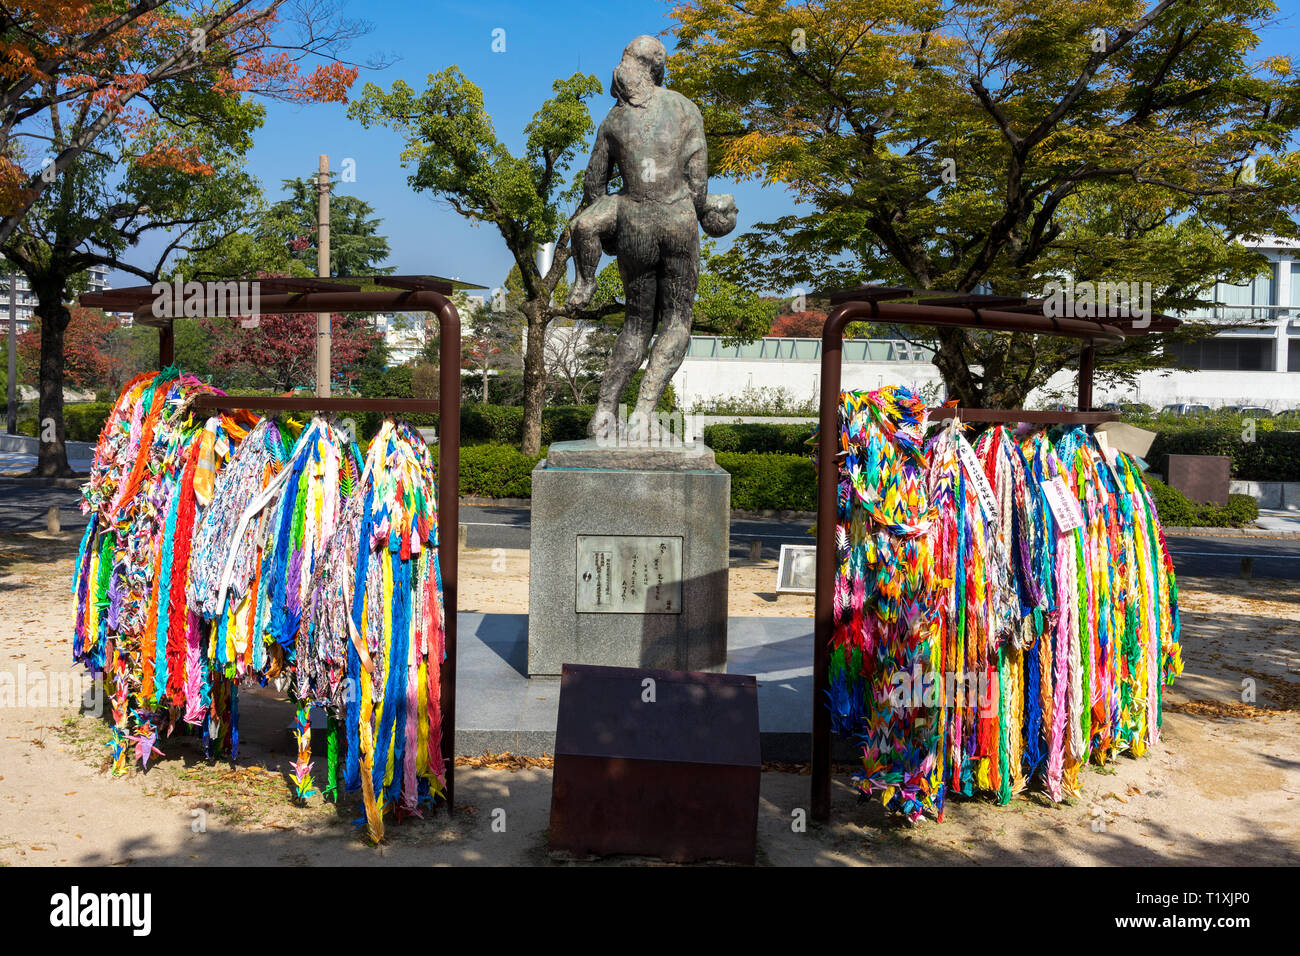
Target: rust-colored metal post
<point>828,434</point>
<point>166,345</point>
<point>448,523</point>
<point>1087,363</point>
<point>324,334</point>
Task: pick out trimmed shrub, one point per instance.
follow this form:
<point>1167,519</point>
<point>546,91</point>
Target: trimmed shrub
<point>81,422</point>
<point>667,401</point>
<point>774,400</point>
<point>393,382</point>
<point>504,424</point>
<point>1176,510</point>
<point>756,437</point>
<point>491,424</point>
<point>497,471</point>
<point>85,422</point>
<point>1273,455</point>
<point>761,482</point>
<point>758,482</point>
<point>564,422</point>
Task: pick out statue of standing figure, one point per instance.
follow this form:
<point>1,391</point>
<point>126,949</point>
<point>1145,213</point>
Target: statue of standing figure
<point>655,138</point>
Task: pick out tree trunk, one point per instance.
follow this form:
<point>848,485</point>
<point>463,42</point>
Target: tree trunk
<point>534,379</point>
<point>950,359</point>
<point>53,459</point>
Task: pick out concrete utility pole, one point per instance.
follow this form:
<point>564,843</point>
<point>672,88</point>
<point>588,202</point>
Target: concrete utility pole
<point>12,425</point>
<point>323,337</point>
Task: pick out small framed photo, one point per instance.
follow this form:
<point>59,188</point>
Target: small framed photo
<point>796,572</point>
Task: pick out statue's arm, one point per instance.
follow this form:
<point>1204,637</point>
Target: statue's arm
<point>596,180</point>
<point>696,151</point>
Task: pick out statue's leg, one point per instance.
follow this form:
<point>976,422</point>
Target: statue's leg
<point>589,228</point>
<point>678,278</point>
<point>629,348</point>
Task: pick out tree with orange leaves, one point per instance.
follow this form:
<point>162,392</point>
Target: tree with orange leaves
<point>90,363</point>
<point>147,120</point>
<point>105,64</point>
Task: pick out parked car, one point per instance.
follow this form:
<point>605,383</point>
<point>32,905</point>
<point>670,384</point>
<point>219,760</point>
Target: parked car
<point>1135,409</point>
<point>1250,411</point>
<point>1288,420</point>
<point>1185,409</point>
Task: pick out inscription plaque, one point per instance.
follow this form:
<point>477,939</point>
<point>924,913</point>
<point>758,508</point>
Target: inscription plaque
<point>629,574</point>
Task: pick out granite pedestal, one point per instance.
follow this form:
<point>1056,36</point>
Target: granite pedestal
<point>628,558</point>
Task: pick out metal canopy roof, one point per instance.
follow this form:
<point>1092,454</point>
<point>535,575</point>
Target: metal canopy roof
<point>1001,313</point>
<point>293,294</point>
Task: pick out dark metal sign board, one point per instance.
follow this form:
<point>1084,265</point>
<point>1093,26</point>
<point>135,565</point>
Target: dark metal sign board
<point>1202,478</point>
<point>656,762</point>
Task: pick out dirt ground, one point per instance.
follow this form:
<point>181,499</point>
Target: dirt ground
<point>1220,789</point>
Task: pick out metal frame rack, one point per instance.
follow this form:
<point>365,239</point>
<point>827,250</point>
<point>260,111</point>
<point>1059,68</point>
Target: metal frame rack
<point>387,294</point>
<point>993,313</point>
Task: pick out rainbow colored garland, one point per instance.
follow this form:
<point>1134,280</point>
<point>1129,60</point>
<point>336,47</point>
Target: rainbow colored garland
<point>226,550</point>
<point>983,642</point>
<point>152,473</point>
<point>371,642</point>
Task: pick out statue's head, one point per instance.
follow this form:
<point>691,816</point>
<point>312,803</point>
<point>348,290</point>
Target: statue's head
<point>719,214</point>
<point>640,70</point>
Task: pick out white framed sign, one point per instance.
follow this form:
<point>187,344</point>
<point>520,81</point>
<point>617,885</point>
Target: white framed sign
<point>796,571</point>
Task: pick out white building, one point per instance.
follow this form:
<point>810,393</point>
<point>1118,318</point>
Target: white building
<point>1255,362</point>
<point>25,304</point>
<point>790,368</point>
<point>404,333</point>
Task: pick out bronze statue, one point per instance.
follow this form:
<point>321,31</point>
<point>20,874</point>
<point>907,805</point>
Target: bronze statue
<point>655,138</point>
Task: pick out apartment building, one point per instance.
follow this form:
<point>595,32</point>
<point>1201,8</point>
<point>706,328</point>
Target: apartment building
<point>25,299</point>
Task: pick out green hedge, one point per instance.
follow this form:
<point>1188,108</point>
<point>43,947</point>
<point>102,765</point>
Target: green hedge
<point>82,421</point>
<point>761,482</point>
<point>1176,510</point>
<point>1272,456</point>
<point>504,424</point>
<point>768,438</point>
<point>497,471</point>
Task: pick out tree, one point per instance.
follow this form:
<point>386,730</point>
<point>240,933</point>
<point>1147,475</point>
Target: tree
<point>566,358</point>
<point>356,248</point>
<point>491,341</point>
<point>4,363</point>
<point>90,361</point>
<point>280,352</point>
<point>995,146</point>
<point>103,205</point>
<point>113,67</point>
<point>457,157</point>
<point>725,303</point>
<point>725,307</point>
<point>804,325</point>
<point>171,165</point>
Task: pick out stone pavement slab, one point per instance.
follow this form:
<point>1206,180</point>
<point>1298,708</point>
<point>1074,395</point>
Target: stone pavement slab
<point>499,709</point>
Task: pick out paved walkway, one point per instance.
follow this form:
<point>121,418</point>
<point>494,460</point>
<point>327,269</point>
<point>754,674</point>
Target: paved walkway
<point>13,461</point>
<point>498,708</point>
<point>1276,520</point>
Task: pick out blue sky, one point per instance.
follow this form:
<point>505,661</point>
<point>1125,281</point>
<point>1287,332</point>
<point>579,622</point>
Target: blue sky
<point>544,40</point>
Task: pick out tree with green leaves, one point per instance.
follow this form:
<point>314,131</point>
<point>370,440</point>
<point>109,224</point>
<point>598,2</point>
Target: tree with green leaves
<point>280,238</point>
<point>997,145</point>
<point>356,248</point>
<point>117,67</point>
<point>102,205</point>
<point>456,155</point>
